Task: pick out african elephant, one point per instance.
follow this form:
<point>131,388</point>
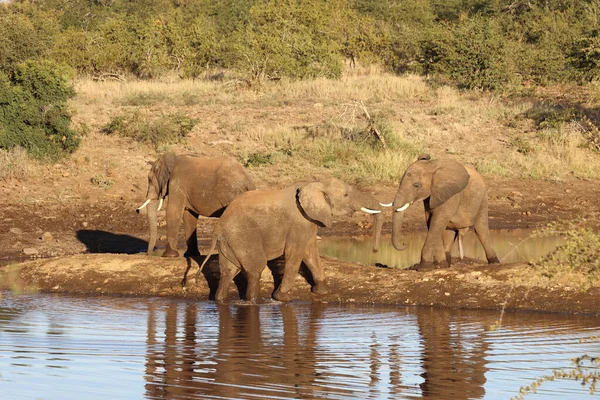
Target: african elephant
<point>455,198</point>
<point>195,186</point>
<point>259,226</point>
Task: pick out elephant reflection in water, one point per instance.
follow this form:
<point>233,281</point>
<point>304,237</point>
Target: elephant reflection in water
<point>241,363</point>
<point>454,368</point>
<point>170,364</point>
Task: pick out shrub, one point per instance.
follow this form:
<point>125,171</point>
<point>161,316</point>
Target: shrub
<point>256,159</point>
<point>580,253</point>
<point>288,38</point>
<point>26,32</point>
<point>470,53</point>
<point>164,130</point>
<point>33,110</point>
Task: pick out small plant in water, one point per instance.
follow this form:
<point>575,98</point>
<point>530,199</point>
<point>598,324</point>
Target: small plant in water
<point>586,370</point>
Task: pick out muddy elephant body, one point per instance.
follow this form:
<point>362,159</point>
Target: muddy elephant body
<point>455,199</point>
<point>260,226</point>
<point>195,186</point>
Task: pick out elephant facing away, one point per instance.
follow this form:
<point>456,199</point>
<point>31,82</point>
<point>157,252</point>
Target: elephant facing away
<point>455,198</point>
<point>260,226</point>
<point>195,186</point>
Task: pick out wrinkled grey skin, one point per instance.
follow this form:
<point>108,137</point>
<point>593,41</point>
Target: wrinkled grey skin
<point>455,198</point>
<point>259,226</point>
<point>195,186</point>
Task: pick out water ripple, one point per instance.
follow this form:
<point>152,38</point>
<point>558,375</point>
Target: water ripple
<point>57,347</point>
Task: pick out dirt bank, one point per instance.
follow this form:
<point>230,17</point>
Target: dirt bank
<point>509,287</point>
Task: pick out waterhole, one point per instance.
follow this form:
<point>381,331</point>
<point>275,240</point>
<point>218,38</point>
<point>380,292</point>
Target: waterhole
<point>59,347</point>
<point>515,245</point>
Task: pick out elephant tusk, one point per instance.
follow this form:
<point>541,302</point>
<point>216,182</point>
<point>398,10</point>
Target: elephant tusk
<point>143,205</point>
<point>159,204</point>
<point>387,205</point>
<point>369,211</point>
<point>404,207</point>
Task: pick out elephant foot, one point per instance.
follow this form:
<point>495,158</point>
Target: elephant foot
<point>448,259</point>
<point>320,288</point>
<point>425,266</point>
<point>281,296</point>
<point>220,299</point>
<point>493,260</point>
<point>169,252</point>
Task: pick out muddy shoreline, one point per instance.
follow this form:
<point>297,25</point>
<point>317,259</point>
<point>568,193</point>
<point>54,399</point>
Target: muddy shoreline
<point>472,286</point>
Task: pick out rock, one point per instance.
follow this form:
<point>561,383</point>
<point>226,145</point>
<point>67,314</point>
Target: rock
<point>30,251</point>
<point>84,224</point>
<point>46,237</point>
<point>16,231</point>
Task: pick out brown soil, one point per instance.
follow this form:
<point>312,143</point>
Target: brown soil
<point>88,220</point>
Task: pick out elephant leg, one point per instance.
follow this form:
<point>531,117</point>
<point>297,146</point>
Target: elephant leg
<point>482,231</point>
<point>253,290</point>
<point>228,271</point>
<point>292,265</point>
<point>449,237</point>
<point>313,262</point>
<point>190,221</point>
<point>433,253</point>
<point>174,216</point>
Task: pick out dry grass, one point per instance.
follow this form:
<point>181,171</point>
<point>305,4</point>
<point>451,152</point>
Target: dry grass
<point>283,120</point>
<point>14,164</point>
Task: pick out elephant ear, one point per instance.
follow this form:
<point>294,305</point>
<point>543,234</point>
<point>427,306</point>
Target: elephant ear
<point>315,202</point>
<point>162,169</point>
<point>448,179</point>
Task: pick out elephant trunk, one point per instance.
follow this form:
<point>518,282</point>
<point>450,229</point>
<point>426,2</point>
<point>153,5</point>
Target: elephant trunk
<point>397,230</point>
<point>377,227</point>
<point>153,224</point>
<point>371,205</point>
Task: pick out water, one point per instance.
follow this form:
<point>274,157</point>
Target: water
<point>59,347</point>
<point>515,245</point>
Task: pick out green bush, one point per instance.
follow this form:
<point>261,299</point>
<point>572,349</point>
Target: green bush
<point>580,252</point>
<point>470,53</point>
<point>33,110</point>
<point>164,130</point>
<point>26,32</point>
<point>288,38</point>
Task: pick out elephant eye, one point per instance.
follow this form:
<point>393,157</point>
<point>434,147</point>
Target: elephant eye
<point>417,184</point>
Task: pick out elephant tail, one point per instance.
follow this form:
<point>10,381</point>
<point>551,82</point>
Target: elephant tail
<point>213,245</point>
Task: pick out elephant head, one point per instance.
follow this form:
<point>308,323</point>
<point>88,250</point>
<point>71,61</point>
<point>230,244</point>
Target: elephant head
<point>319,201</point>
<point>158,185</point>
<point>426,179</point>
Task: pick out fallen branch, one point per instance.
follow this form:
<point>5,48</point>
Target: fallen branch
<point>372,127</point>
<point>103,77</point>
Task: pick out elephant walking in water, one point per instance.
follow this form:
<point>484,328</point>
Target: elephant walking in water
<point>195,186</point>
<point>455,198</point>
<point>260,226</point>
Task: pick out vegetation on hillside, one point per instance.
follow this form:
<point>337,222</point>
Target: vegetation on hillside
<point>490,45</point>
<point>485,44</point>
